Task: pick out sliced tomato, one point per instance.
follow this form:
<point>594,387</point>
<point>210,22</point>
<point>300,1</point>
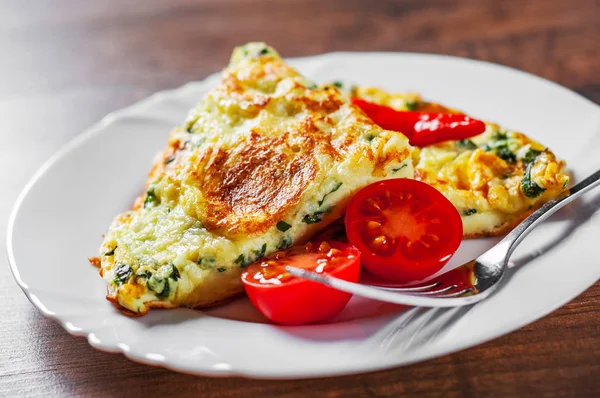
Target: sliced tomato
<point>405,229</point>
<point>289,300</point>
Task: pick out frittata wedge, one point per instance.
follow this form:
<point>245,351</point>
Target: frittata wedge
<point>265,160</point>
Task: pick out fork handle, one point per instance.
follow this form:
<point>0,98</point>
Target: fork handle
<point>546,210</point>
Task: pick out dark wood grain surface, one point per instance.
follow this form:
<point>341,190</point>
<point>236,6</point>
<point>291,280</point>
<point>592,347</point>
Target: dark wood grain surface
<point>65,64</point>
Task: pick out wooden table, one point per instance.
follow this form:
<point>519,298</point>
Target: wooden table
<point>64,64</point>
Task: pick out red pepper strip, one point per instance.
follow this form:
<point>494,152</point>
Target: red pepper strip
<point>422,129</point>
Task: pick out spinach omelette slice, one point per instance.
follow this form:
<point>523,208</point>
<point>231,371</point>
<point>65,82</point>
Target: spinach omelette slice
<point>265,160</point>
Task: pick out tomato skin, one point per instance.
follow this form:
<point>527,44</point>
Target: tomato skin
<point>420,127</point>
<point>432,128</point>
<point>301,301</point>
<point>419,247</point>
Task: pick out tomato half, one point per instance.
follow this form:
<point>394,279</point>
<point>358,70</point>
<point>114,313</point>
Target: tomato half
<point>405,229</point>
<point>289,300</point>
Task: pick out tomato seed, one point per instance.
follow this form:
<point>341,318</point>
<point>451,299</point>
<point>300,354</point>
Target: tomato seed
<point>269,273</point>
<point>433,237</point>
<point>334,252</point>
<point>381,242</point>
<point>324,247</point>
<point>373,225</point>
<point>370,206</point>
<point>286,276</point>
<point>374,204</point>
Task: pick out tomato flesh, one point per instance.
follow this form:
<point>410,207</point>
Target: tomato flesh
<point>289,300</point>
<point>405,229</point>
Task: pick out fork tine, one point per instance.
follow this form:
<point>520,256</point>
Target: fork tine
<point>414,299</point>
<point>434,292</point>
<point>408,289</point>
<point>459,293</point>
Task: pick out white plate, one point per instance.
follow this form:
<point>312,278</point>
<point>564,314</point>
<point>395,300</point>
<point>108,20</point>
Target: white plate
<point>60,216</point>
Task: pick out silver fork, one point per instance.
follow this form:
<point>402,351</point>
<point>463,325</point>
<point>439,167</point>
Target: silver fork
<point>477,279</point>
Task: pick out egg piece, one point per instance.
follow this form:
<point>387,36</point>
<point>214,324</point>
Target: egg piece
<point>494,179</point>
<point>264,161</point>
